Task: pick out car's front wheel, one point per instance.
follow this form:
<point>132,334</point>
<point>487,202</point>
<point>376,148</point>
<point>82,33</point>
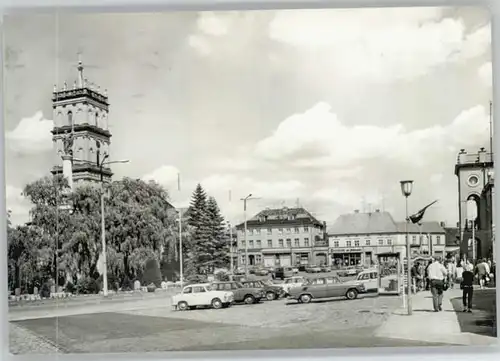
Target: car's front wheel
<point>249,299</point>
<point>351,294</point>
<point>182,306</point>
<point>305,298</point>
<point>270,296</point>
<point>216,303</point>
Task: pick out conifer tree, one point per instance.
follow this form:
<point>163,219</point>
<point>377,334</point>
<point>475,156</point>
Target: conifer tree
<point>220,255</point>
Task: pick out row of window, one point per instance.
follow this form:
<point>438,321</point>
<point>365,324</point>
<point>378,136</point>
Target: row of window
<point>252,231</point>
<point>367,243</point>
<point>281,243</point>
<point>381,242</point>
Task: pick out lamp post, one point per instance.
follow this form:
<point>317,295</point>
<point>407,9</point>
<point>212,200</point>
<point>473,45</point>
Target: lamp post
<point>406,189</point>
<point>231,248</point>
<point>247,198</point>
<point>101,163</point>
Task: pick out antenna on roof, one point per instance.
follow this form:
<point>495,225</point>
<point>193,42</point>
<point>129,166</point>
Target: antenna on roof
<point>383,202</point>
<point>363,204</point>
<point>298,203</point>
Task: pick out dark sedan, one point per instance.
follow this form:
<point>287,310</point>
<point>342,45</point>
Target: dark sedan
<point>272,292</point>
<point>325,287</point>
<point>242,293</point>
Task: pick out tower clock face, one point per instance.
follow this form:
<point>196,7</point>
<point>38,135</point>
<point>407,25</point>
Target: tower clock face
<point>473,180</point>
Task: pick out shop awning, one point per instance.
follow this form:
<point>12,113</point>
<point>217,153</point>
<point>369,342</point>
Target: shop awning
<point>452,248</point>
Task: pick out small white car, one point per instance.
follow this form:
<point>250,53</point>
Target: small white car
<point>292,282</point>
<point>197,295</point>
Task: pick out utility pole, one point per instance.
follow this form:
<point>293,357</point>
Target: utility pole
<point>101,164</point>
<point>245,200</point>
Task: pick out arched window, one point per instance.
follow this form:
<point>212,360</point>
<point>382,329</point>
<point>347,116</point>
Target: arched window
<point>473,210</point>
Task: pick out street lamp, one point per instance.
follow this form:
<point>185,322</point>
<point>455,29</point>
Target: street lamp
<point>101,164</point>
<point>406,189</point>
<point>231,248</point>
<point>247,198</point>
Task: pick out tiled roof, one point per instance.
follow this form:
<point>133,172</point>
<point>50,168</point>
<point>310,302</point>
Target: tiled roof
<point>284,215</point>
<point>364,223</point>
<point>426,227</point>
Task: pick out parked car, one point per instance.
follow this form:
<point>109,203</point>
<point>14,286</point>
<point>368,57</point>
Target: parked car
<point>295,270</point>
<point>325,268</point>
<point>201,294</point>
<point>261,271</point>
<point>325,287</point>
<point>292,282</point>
<point>369,278</point>
<point>313,269</point>
<point>347,272</point>
<point>272,291</point>
<point>281,273</point>
<point>302,267</point>
<point>239,271</point>
<point>241,293</point>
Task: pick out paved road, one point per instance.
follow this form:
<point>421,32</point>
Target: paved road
<point>276,324</point>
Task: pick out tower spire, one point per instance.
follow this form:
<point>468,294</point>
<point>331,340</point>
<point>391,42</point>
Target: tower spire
<point>80,71</point>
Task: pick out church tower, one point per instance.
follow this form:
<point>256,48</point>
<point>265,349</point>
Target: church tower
<point>473,172</point>
<point>81,136</point>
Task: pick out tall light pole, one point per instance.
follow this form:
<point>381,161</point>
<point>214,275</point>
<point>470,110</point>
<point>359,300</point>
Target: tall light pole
<point>181,266</point>
<point>406,189</point>
<point>247,198</point>
<point>101,163</point>
<point>231,248</point>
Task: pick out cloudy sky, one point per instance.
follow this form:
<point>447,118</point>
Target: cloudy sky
<point>328,109</point>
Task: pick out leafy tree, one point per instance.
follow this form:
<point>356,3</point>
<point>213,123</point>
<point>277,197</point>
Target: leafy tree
<point>139,223</point>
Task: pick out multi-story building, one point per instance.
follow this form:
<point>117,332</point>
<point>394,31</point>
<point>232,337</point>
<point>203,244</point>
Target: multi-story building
<point>357,238</point>
<point>285,236</point>
<point>475,183</point>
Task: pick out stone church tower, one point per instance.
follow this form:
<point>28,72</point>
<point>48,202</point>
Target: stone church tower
<point>81,136</point>
<point>473,172</point>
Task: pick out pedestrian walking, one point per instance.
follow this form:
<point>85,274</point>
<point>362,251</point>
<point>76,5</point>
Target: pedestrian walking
<point>437,278</point>
<point>467,286</point>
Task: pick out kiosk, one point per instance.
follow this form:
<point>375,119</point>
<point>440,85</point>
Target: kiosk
<point>390,281</point>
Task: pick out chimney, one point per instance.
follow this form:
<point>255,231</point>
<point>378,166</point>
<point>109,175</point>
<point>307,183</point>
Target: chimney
<point>482,155</point>
<point>356,211</point>
<point>442,224</point>
<point>462,156</point>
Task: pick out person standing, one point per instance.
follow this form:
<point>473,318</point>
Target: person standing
<point>427,281</point>
<point>437,277</point>
<point>451,268</point>
<point>467,286</point>
<point>482,271</point>
<point>459,273</point>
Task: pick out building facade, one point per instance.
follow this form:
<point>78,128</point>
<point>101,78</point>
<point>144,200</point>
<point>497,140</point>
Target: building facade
<point>80,135</point>
<point>357,238</point>
<point>282,237</point>
<point>473,171</point>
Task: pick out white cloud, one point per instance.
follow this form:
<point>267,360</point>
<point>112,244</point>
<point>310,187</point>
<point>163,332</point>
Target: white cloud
<point>213,24</point>
<point>377,44</point>
<point>17,204</point>
<point>32,135</point>
<point>200,44</point>
<point>485,73</point>
<point>317,138</point>
<point>166,175</point>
